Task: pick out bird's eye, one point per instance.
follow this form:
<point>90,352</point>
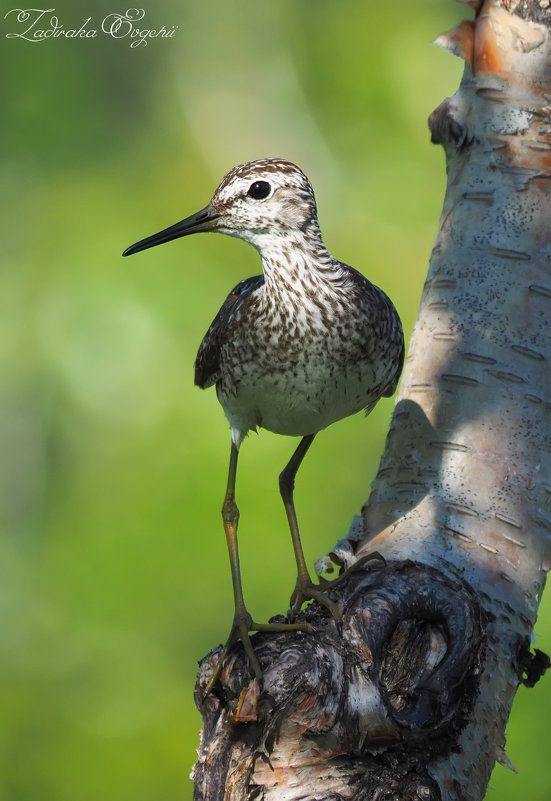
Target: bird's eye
<point>259,190</point>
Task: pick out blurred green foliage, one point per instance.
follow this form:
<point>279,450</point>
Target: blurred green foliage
<point>114,579</point>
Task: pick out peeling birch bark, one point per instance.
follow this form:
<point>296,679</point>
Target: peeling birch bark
<point>412,699</point>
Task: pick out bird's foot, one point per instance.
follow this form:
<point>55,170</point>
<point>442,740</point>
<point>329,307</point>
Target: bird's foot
<point>305,590</point>
<point>308,591</point>
<point>242,625</point>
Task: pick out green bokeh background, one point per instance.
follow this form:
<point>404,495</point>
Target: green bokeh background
<point>114,577</point>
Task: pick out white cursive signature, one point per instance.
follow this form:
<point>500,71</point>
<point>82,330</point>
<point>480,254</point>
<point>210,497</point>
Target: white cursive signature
<point>39,27</point>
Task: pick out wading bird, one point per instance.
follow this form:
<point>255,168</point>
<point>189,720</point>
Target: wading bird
<point>306,343</point>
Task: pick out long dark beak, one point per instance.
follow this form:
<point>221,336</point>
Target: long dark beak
<point>204,220</point>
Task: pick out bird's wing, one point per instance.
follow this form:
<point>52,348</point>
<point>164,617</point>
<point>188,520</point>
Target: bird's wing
<point>207,363</point>
<point>390,389</point>
<point>395,345</point>
<point>380,304</point>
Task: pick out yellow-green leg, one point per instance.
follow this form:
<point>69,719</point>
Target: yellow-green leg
<point>242,620</point>
<point>305,588</point>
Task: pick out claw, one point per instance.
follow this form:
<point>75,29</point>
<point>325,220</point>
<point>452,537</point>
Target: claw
<point>241,626</point>
<point>307,591</point>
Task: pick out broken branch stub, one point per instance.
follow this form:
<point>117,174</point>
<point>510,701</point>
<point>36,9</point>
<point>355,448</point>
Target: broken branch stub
<point>369,705</point>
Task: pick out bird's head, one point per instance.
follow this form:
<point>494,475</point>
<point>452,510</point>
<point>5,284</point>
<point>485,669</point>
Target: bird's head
<point>257,202</point>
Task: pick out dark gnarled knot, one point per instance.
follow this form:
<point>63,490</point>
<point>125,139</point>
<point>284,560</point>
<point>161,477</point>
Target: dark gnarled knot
<point>423,633</point>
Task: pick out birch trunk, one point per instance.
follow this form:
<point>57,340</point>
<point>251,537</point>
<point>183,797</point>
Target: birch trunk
<point>413,699</point>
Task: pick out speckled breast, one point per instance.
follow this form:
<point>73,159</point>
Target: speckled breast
<point>298,374</point>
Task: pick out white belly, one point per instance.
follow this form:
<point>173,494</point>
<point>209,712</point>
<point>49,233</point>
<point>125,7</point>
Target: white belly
<point>298,403</point>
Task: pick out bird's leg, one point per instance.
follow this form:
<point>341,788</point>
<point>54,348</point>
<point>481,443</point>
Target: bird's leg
<point>242,620</point>
<point>305,589</point>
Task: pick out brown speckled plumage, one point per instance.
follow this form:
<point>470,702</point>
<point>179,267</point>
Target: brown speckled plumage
<point>312,335</point>
<point>306,343</point>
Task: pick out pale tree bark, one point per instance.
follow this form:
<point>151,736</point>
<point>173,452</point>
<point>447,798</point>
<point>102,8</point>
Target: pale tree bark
<point>412,699</point>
